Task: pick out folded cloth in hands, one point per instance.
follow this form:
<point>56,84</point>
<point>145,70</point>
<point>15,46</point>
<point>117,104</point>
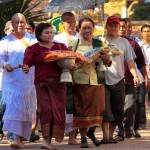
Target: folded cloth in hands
<point>57,55</point>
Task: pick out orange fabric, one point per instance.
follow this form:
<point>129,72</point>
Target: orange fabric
<point>56,55</point>
<point>87,122</point>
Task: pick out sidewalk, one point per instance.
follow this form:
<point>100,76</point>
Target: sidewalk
<point>142,143</point>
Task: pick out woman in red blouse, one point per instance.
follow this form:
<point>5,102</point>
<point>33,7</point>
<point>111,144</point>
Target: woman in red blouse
<point>51,94</point>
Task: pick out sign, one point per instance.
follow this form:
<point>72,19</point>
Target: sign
<point>56,24</point>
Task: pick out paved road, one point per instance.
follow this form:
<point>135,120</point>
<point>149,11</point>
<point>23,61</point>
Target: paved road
<point>142,143</point>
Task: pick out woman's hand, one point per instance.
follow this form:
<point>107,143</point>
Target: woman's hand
<point>25,69</point>
<point>73,68</point>
<point>9,68</point>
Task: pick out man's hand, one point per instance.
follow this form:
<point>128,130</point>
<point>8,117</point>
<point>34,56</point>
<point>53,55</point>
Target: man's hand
<point>136,82</point>
<point>25,69</point>
<point>9,68</point>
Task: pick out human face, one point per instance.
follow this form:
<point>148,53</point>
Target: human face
<point>113,29</point>
<point>86,30</point>
<point>47,35</point>
<point>129,28</point>
<point>69,24</point>
<point>29,29</point>
<point>19,23</point>
<point>10,30</point>
<point>123,29</point>
<point>146,34</point>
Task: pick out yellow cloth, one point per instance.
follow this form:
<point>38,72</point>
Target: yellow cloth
<point>86,73</point>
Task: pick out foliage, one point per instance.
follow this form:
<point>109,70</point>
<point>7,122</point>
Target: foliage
<point>26,7</point>
<point>142,13</point>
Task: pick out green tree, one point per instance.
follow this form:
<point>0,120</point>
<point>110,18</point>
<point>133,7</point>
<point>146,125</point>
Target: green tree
<point>26,7</point>
<point>142,12</point>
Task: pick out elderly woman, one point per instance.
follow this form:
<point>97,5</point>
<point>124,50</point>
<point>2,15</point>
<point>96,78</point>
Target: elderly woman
<point>51,94</point>
<point>86,91</point>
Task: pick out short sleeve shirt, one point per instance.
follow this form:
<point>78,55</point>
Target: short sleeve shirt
<point>116,71</point>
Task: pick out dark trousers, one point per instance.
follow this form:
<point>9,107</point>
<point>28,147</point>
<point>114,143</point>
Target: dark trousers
<point>129,110</point>
<point>114,104</point>
<point>140,117</point>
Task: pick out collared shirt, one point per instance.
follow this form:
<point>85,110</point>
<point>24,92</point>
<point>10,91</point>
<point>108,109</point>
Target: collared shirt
<point>86,73</point>
<point>146,52</point>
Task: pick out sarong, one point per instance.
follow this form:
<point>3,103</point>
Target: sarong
<point>89,105</point>
<point>51,101</point>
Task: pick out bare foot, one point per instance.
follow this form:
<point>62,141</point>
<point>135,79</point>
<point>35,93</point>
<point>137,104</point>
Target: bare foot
<point>47,145</point>
<point>17,143</point>
<point>58,139</point>
<point>73,142</point>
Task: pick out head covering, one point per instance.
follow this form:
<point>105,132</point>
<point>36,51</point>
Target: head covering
<point>112,19</point>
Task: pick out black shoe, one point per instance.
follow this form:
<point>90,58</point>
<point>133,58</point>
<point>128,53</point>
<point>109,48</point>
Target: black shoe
<point>105,141</point>
<point>112,141</point>
<point>34,137</point>
<point>119,138</point>
<point>136,134</point>
<point>91,135</point>
<point>128,135</point>
<point>84,143</point>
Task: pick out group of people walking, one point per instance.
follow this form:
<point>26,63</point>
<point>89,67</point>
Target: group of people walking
<point>31,87</point>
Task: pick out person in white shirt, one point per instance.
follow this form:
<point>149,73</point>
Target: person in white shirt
<point>145,46</point>
<point>67,37</point>
<point>18,90</point>
<point>8,30</point>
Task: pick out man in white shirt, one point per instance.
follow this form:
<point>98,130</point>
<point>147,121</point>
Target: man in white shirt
<point>145,46</point>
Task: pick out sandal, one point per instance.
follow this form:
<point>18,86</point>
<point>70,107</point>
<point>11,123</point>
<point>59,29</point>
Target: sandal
<point>112,141</point>
<point>91,135</point>
<point>34,137</point>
